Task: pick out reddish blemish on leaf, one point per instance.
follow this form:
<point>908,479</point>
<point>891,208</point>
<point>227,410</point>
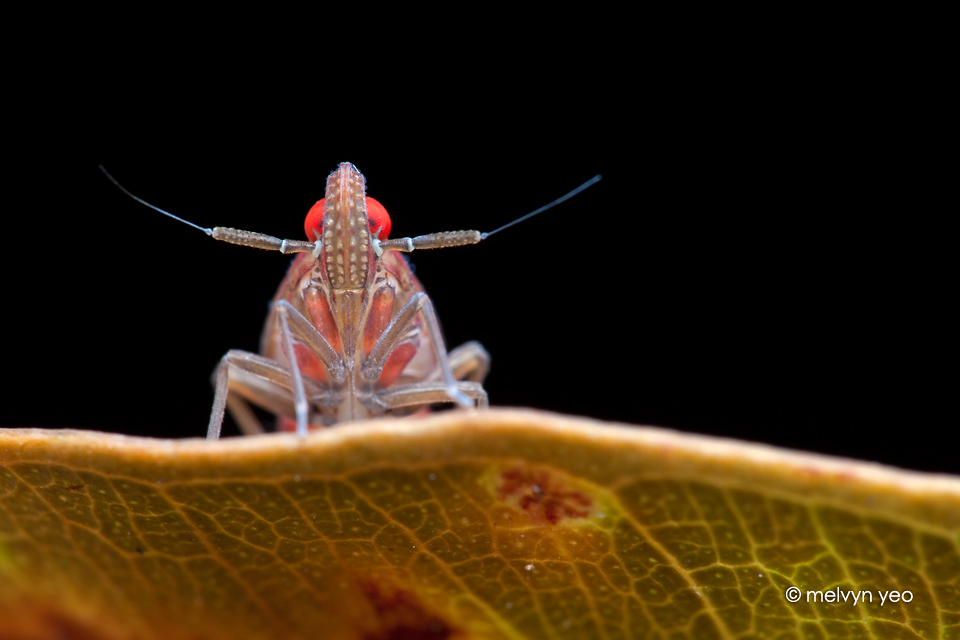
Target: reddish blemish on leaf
<point>542,496</point>
<point>401,616</point>
<point>44,623</point>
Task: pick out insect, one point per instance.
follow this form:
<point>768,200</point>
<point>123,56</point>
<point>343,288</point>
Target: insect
<point>351,333</point>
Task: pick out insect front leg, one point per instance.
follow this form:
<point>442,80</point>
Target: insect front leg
<point>292,321</point>
<point>469,362</point>
<point>241,376</point>
<point>391,336</point>
<point>305,330</point>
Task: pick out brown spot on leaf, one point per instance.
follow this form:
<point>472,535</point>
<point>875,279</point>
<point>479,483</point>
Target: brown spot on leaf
<point>402,616</point>
<point>75,487</point>
<point>542,495</point>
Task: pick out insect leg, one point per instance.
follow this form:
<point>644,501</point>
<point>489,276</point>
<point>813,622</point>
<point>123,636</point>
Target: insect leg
<point>419,302</point>
<point>469,361</point>
<point>422,393</point>
<point>312,338</point>
<point>244,416</point>
<point>300,404</point>
<point>260,380</point>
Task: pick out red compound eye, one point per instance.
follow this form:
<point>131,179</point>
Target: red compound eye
<point>376,214</point>
<point>313,223</point>
<point>379,218</point>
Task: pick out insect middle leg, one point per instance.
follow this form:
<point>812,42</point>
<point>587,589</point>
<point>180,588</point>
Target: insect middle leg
<point>469,361</point>
<point>421,394</point>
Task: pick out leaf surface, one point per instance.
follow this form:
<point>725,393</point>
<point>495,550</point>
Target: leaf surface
<point>502,525</point>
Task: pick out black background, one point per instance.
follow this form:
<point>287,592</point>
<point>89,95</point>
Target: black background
<point>767,256</point>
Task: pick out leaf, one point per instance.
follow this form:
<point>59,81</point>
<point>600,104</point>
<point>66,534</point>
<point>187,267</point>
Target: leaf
<point>502,524</point>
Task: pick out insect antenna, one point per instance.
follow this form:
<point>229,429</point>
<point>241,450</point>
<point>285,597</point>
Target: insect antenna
<point>226,234</point>
<point>429,241</point>
<point>589,183</point>
<point>460,238</point>
<point>209,232</point>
